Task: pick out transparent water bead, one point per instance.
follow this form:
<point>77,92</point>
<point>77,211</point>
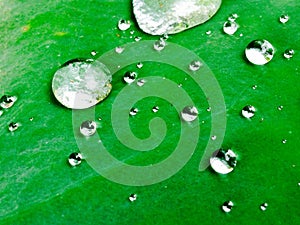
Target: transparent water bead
<point>284,141</point>
<point>248,111</point>
<point>119,49</point>
<point>159,45</point>
<point>133,111</point>
<point>155,109</point>
<point>139,65</point>
<point>233,17</point>
<point>124,24</point>
<point>13,126</point>
<point>289,53</point>
<point>132,197</point>
<point>137,39</point>
<point>195,65</point>
<point>259,52</point>
<point>129,77</point>
<point>94,53</point>
<point>284,18</point>
<point>140,82</point>
<point>230,27</point>
<point>75,159</point>
<point>88,128</point>
<point>223,161</point>
<point>227,206</point>
<point>264,206</point>
<point>189,113</point>
<point>7,101</point>
<point>80,84</point>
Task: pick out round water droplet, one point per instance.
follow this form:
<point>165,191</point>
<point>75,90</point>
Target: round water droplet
<point>264,206</point>
<point>137,38</point>
<point>214,137</point>
<point>124,25</point>
<point>119,49</point>
<point>7,101</point>
<point>159,45</point>
<point>195,65</point>
<point>284,18</point>
<point>132,197</point>
<point>260,52</point>
<point>140,82</point>
<point>133,111</point>
<point>227,206</point>
<point>289,53</point>
<point>189,113</point>
<point>208,32</point>
<point>208,109</point>
<point>284,141</point>
<point>80,84</point>
<point>139,65</point>
<point>254,87</point>
<point>165,37</point>
<point>248,111</point>
<point>31,119</point>
<point>223,161</point>
<point>129,77</point>
<point>230,27</point>
<point>13,126</point>
<point>155,109</point>
<point>93,53</point>
<point>88,128</point>
<point>75,159</point>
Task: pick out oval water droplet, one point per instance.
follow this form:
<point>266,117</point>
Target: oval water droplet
<point>264,206</point>
<point>155,109</point>
<point>208,32</point>
<point>7,101</point>
<point>133,111</point>
<point>248,111</point>
<point>233,17</point>
<point>227,206</point>
<point>159,45</point>
<point>280,107</point>
<point>284,18</point>
<point>223,161</point>
<point>230,27</point>
<point>259,52</point>
<point>119,49</point>
<point>289,53</point>
<point>139,65</point>
<point>124,24</point>
<point>93,53</point>
<point>88,128</point>
<point>137,39</point>
<point>13,126</point>
<point>195,65</point>
<point>132,197</point>
<point>189,113</point>
<point>75,159</point>
<point>129,77</point>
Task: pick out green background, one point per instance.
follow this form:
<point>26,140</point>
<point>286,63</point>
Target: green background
<point>38,187</point>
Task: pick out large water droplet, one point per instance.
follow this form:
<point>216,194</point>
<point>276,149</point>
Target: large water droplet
<point>129,77</point>
<point>230,27</point>
<point>223,161</point>
<point>13,126</point>
<point>195,65</point>
<point>88,128</point>
<point>289,53</point>
<point>189,113</point>
<point>139,65</point>
<point>259,52</point>
<point>227,206</point>
<point>80,84</point>
<point>7,101</point>
<point>75,159</point>
<point>284,18</point>
<point>124,25</point>
<point>248,111</point>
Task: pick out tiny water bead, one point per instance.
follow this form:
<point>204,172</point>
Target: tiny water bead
<point>140,82</point>
<point>132,197</point>
<point>230,27</point>
<point>195,65</point>
<point>88,128</point>
<point>254,87</point>
<point>137,39</point>
<point>259,52</point>
<point>284,141</point>
<point>280,107</point>
<point>189,113</point>
<point>139,65</point>
<point>227,206</point>
<point>264,206</point>
<point>124,24</point>
<point>233,17</point>
<point>160,44</point>
<point>248,111</point>
<point>223,161</point>
<point>289,53</point>
<point>119,49</point>
<point>13,126</point>
<point>7,101</point>
<point>214,137</point>
<point>133,111</point>
<point>284,18</point>
<point>93,53</point>
<point>75,159</point>
<point>129,77</point>
<point>155,109</point>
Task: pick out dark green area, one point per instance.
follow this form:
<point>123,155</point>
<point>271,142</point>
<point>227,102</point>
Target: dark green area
<point>38,187</point>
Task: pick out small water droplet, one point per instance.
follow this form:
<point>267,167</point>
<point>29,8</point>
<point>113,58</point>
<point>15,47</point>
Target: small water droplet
<point>214,137</point>
<point>254,87</point>
<point>137,39</point>
<point>259,52</point>
<point>165,37</point>
<point>124,24</point>
<point>208,109</point>
<point>189,113</point>
<point>131,32</point>
<point>75,159</point>
<point>233,17</point>
<point>264,206</point>
<point>133,111</point>
<point>31,119</point>
<point>139,65</point>
<point>132,197</point>
<point>129,77</point>
<point>230,27</point>
<point>227,206</point>
<point>284,18</point>
<point>241,35</point>
<point>289,53</point>
<point>223,161</point>
<point>280,107</point>
<point>155,109</point>
<point>88,128</point>
<point>13,126</point>
<point>140,82</point>
<point>160,44</point>
<point>179,85</point>
<point>7,101</point>
<point>208,32</point>
<point>248,111</point>
<point>119,49</point>
<point>195,65</point>
<point>93,53</point>
<point>284,141</point>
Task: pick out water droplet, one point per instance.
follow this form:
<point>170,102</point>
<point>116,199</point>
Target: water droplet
<point>254,87</point>
<point>75,159</point>
<point>165,37</point>
<point>280,107</point>
<point>214,137</point>
<point>289,53</point>
<point>137,38</point>
<point>159,45</point>
<point>264,206</point>
<point>140,82</point>
<point>230,27</point>
<point>93,53</point>
<point>88,128</point>
<point>13,126</point>
<point>208,109</point>
<point>129,77</point>
<point>284,141</point>
<point>179,85</point>
<point>80,84</point>
<point>119,49</point>
<point>189,113</point>
<point>227,206</point>
<point>223,161</point>
<point>132,197</point>
<point>133,111</point>
<point>208,32</point>
<point>7,101</point>
<point>31,119</point>
<point>155,109</point>
<point>139,65</point>
<point>259,52</point>
<point>124,24</point>
<point>195,65</point>
<point>248,111</point>
<point>233,17</point>
<point>284,18</point>
<point>1,111</point>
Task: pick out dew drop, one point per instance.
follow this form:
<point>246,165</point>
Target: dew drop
<point>139,65</point>
<point>88,128</point>
<point>159,45</point>
<point>155,109</point>
<point>284,19</point>
<point>93,53</point>
<point>140,82</point>
<point>129,77</point>
<point>227,206</point>
<point>133,111</point>
<point>7,101</point>
<point>208,32</point>
<point>248,111</point>
<point>132,197</point>
<point>214,137</point>
<point>223,161</point>
<point>189,113</point>
<point>165,37</point>
<point>264,206</point>
<point>284,141</point>
<point>124,24</point>
<point>280,107</point>
<point>230,27</point>
<point>13,126</point>
<point>119,49</point>
<point>208,109</point>
<point>75,159</point>
<point>31,119</point>
<point>233,17</point>
<point>195,65</point>
<point>259,52</point>
<point>254,87</point>
<point>137,39</point>
<point>289,53</point>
